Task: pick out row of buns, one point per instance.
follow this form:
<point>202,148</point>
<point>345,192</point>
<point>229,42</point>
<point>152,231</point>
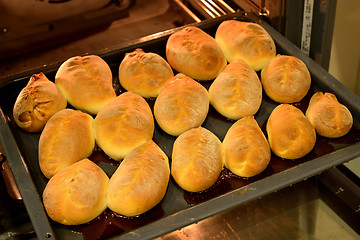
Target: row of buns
<point>123,126</point>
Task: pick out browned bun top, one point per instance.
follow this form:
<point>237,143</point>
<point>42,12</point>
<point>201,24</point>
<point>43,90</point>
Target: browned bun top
<point>286,79</point>
<point>86,82</point>
<point>144,73</point>
<point>123,124</point>
<point>247,41</point>
<point>37,102</point>
<point>77,194</point>
<point>329,117</point>
<point>195,53</point>
<point>247,152</point>
<point>237,91</point>
<point>197,159</point>
<point>140,181</point>
<point>290,133</point>
<point>181,105</point>
<point>68,137</point>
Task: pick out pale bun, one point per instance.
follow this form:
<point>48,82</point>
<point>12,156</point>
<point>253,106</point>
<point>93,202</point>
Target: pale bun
<point>197,160</point>
<point>247,152</point>
<point>140,181</point>
<point>37,102</point>
<point>123,124</point>
<point>86,82</point>
<point>247,41</point>
<point>77,194</point>
<point>181,105</point>
<point>286,79</point>
<point>236,92</point>
<point>144,73</point>
<point>67,137</point>
<point>290,133</point>
<point>329,117</point>
<point>195,53</point>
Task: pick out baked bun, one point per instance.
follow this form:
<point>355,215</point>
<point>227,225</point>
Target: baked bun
<point>329,117</point>
<point>77,194</point>
<point>37,102</point>
<point>86,83</point>
<point>195,53</point>
<point>237,91</point>
<point>247,41</point>
<point>286,79</point>
<point>246,150</point>
<point>290,133</point>
<point>182,104</point>
<point>123,124</point>
<point>67,138</point>
<point>140,181</point>
<point>197,159</point>
<point>144,73</point>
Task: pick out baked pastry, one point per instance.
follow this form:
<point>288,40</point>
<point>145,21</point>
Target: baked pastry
<point>290,133</point>
<point>37,102</point>
<point>140,181</point>
<point>86,83</point>
<point>77,194</point>
<point>236,92</point>
<point>197,159</point>
<point>123,124</point>
<point>67,137</point>
<point>246,150</point>
<point>329,117</point>
<point>286,79</point>
<point>144,73</point>
<point>247,41</point>
<point>195,53</point>
<point>182,104</point>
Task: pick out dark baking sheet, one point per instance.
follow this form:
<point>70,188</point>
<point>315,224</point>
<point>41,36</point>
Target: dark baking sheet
<point>178,208</point>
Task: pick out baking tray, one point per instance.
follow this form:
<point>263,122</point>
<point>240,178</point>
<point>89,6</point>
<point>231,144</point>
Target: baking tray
<point>178,208</point>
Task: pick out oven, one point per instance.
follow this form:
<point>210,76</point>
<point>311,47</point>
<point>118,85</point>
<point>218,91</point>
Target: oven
<point>315,199</point>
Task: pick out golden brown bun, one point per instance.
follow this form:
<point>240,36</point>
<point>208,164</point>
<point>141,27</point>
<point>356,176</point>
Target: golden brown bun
<point>123,124</point>
<point>67,137</point>
<point>195,53</point>
<point>247,152</point>
<point>237,91</point>
<point>37,102</point>
<point>144,73</point>
<point>329,117</point>
<point>140,181</point>
<point>197,159</point>
<point>290,133</point>
<point>86,83</point>
<point>286,79</point>
<point>77,194</point>
<point>247,41</point>
<point>182,104</point>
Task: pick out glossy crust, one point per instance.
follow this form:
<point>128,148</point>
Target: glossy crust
<point>140,181</point>
<point>37,102</point>
<point>237,91</point>
<point>247,41</point>
<point>247,152</point>
<point>77,194</point>
<point>329,117</point>
<point>286,79</point>
<point>123,124</point>
<point>195,53</point>
<point>144,73</point>
<point>197,159</point>
<point>290,133</point>
<point>67,138</point>
<point>181,105</point>
<point>86,82</point>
